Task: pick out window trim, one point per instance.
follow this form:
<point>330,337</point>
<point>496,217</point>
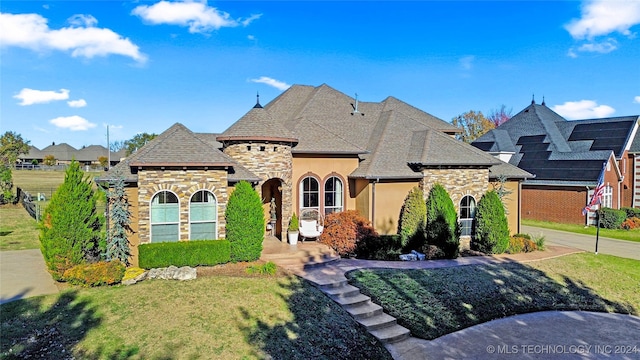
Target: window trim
<point>301,192</point>
<point>472,212</point>
<point>151,223</point>
<point>323,206</point>
<point>215,219</point>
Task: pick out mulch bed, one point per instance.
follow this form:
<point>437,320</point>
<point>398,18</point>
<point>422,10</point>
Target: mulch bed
<point>238,269</point>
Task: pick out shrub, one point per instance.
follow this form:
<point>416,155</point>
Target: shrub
<point>442,227</point>
<point>631,223</point>
<point>120,218</point>
<point>611,218</point>
<point>344,230</point>
<point>529,246</point>
<point>432,252</point>
<point>132,273</point>
<point>184,253</point>
<point>521,243</point>
<point>245,223</point>
<point>294,224</point>
<point>413,216</point>
<point>70,232</point>
<point>631,212</point>
<point>6,184</point>
<point>491,233</point>
<point>268,268</point>
<point>540,240</point>
<point>382,247</point>
<point>526,236</point>
<point>96,274</point>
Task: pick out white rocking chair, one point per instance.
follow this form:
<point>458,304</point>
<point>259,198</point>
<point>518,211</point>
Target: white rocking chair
<point>311,224</point>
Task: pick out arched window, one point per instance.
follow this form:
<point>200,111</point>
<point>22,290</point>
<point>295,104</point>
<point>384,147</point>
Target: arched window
<point>309,194</point>
<point>165,217</point>
<point>467,213</point>
<point>333,195</point>
<point>203,216</point>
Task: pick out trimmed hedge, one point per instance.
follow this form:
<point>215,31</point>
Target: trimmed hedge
<point>184,253</point>
<point>612,218</point>
<point>245,223</point>
<point>413,216</point>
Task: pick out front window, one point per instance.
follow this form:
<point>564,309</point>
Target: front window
<point>333,195</point>
<point>165,217</point>
<point>467,213</point>
<point>309,193</point>
<point>203,216</point>
<point>607,197</point>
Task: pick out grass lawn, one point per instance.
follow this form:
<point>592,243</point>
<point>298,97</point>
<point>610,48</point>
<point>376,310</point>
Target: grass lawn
<point>18,230</point>
<point>432,303</point>
<point>621,234</point>
<point>214,317</point>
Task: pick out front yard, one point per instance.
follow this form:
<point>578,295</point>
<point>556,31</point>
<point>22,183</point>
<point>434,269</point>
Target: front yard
<point>620,234</point>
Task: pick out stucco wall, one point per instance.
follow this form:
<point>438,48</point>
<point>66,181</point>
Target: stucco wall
<point>184,183</point>
<point>389,197</point>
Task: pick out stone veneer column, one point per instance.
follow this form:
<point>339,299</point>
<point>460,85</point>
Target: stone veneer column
<point>184,183</point>
<point>268,161</point>
<point>457,182</point>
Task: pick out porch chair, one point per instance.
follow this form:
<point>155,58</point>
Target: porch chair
<point>311,224</point>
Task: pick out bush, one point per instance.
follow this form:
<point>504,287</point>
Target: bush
<point>432,252</point>
<point>529,246</point>
<point>383,247</point>
<point>268,268</point>
<point>611,218</point>
<point>294,224</point>
<point>491,233</point>
<point>631,223</point>
<point>631,212</point>
<point>413,216</point>
<point>442,227</point>
<point>96,274</point>
<point>184,253</point>
<point>245,223</point>
<point>344,230</point>
<point>71,228</point>
<point>521,243</point>
<point>539,240</point>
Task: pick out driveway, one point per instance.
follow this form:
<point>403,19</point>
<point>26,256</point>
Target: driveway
<point>621,248</point>
<point>23,274</point>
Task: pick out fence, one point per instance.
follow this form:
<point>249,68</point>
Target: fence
<point>27,200</point>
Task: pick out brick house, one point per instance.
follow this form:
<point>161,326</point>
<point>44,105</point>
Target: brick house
<point>567,158</point>
<point>311,147</point>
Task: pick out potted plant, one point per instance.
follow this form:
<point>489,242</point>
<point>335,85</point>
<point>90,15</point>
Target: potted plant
<point>293,230</point>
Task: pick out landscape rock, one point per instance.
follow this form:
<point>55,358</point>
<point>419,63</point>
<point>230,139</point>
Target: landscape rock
<point>135,279</point>
<point>173,273</point>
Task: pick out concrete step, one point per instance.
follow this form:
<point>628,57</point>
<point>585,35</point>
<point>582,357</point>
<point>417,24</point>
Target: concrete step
<point>330,283</point>
<point>378,322</point>
<point>342,291</point>
<point>353,301</point>
<point>364,311</point>
<point>391,334</point>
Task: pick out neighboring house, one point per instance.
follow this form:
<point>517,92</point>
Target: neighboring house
<point>311,147</point>
<point>567,158</point>
<point>64,153</point>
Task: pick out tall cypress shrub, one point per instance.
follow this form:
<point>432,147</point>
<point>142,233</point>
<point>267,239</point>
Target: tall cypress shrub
<point>120,221</point>
<point>491,229</point>
<point>411,224</point>
<point>442,228</point>
<point>71,228</point>
<point>245,223</point>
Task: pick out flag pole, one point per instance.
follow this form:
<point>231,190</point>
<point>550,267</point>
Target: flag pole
<point>597,227</point>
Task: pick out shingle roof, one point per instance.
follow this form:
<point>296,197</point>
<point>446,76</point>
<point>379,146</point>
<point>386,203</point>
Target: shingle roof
<point>554,149</point>
<point>635,145</point>
<point>509,171</point>
<point>257,124</point>
<point>61,151</point>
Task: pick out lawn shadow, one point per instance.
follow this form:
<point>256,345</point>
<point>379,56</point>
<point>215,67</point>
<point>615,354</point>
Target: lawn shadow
<point>320,329</point>
<point>435,302</point>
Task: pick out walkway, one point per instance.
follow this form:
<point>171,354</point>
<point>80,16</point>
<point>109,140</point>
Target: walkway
<point>621,248</point>
<point>23,274</point>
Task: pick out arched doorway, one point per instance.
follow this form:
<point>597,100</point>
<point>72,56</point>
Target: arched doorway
<point>272,205</point>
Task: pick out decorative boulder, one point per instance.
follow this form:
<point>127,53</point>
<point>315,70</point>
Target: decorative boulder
<point>173,273</point>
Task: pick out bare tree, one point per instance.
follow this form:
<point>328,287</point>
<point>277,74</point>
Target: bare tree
<point>499,117</point>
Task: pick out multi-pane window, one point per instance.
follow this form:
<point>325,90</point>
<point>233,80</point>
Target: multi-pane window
<point>467,213</point>
<point>607,197</point>
<point>333,195</point>
<point>165,217</point>
<point>309,194</point>
<point>203,216</point>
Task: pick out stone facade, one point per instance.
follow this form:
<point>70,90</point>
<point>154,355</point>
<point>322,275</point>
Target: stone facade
<point>457,182</point>
<point>268,161</point>
<point>184,183</point>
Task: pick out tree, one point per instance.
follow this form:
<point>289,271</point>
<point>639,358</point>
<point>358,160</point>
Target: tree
<point>473,125</point>
<point>245,223</point>
<point>104,161</point>
<point>71,228</point>
<point>413,215</point>
<point>500,116</point>
<point>49,160</point>
<point>137,142</point>
<point>120,221</point>
<point>6,184</point>
<point>491,229</point>
<point>117,145</point>
<point>11,146</point>
<point>442,227</point>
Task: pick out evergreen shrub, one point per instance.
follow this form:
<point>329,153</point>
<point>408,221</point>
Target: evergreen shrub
<point>631,212</point>
<point>413,216</point>
<point>245,223</point>
<point>184,253</point>
<point>382,247</point>
<point>491,230</point>
<point>442,227</point>
<point>612,218</point>
<point>95,274</point>
<point>344,230</point>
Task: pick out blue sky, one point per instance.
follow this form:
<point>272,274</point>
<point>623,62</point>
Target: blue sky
<point>69,68</point>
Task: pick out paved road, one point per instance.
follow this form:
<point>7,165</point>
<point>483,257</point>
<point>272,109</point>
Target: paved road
<point>621,248</point>
<point>23,274</point>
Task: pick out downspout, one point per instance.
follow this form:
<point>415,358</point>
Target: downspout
<point>619,190</point>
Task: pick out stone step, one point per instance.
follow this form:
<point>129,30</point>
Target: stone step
<point>364,311</point>
<point>353,301</point>
<point>391,334</point>
<point>330,283</point>
<point>378,322</point>
<point>342,291</point>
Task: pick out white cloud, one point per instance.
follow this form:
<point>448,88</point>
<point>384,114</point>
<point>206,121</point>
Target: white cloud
<point>583,109</point>
<point>603,17</point>
<point>467,62</point>
<point>198,16</point>
<point>31,31</point>
<point>636,99</point>
<point>604,47</point>
<point>251,37</point>
<point>31,96</point>
<point>271,82</point>
<point>77,103</point>
<point>73,123</point>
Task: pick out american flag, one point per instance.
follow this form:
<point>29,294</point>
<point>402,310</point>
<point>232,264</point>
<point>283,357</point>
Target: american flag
<point>596,199</point>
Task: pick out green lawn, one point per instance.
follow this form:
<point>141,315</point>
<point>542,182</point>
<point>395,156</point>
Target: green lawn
<point>18,230</point>
<point>432,303</point>
<point>621,234</point>
<point>216,317</point>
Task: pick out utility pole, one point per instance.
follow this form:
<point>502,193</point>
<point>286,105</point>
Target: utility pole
<point>108,150</point>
